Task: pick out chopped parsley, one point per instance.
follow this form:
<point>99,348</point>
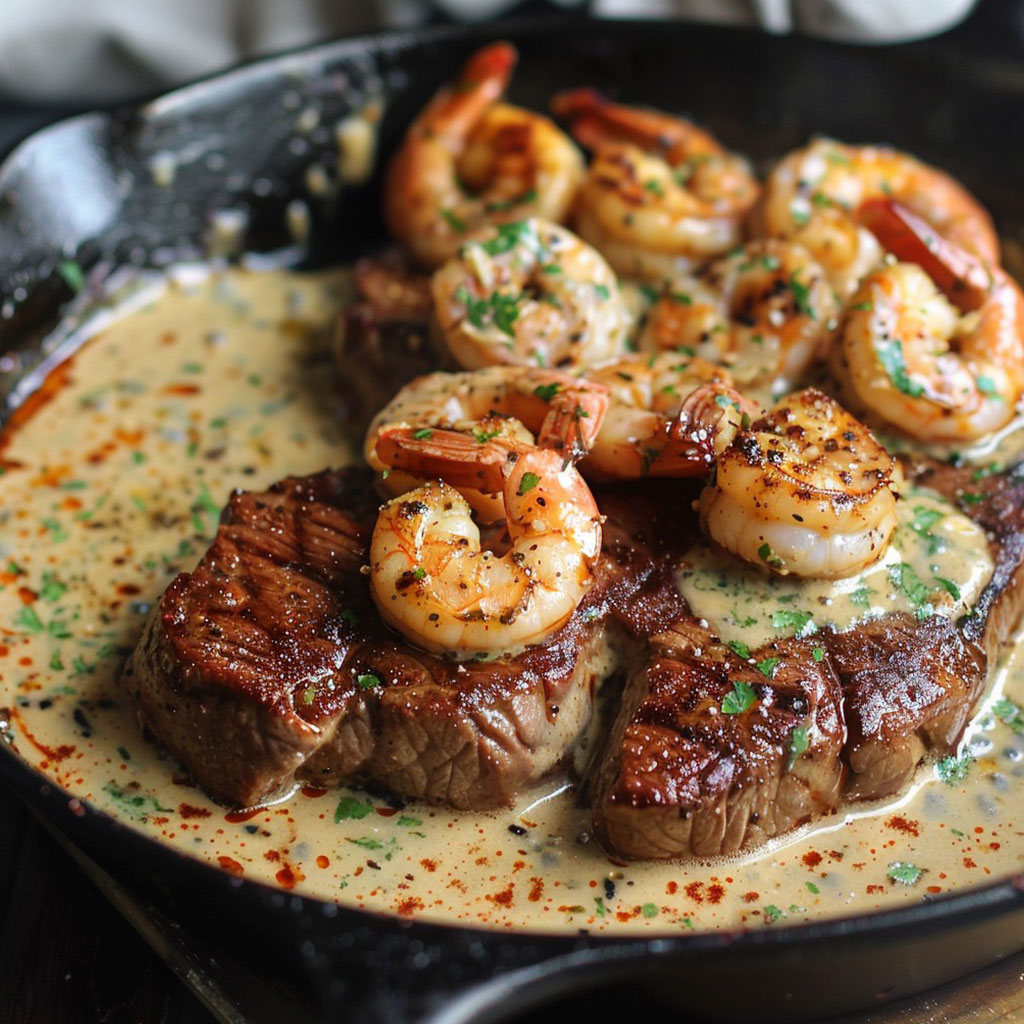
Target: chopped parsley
<point>802,296</point>
<point>890,355</point>
<point>867,306</point>
<point>802,623</point>
<point>740,699</point>
<point>509,236</point>
<point>953,769</point>
<point>798,744</point>
<point>949,586</point>
<point>739,648</point>
<point>904,872</point>
<point>368,681</point>
<point>818,653</point>
<point>527,483</point>
<point>905,578</point>
<point>423,434</point>
<point>765,553</point>
<point>419,573</point>
<point>767,667</point>
<point>987,386</point>
<point>453,221</point>
<point>349,808</point>
<point>72,273</point>
<point>1009,714</point>
<point>602,291</point>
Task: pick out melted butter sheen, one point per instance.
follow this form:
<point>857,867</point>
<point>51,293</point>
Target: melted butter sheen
<point>114,486</point>
<point>938,563</point>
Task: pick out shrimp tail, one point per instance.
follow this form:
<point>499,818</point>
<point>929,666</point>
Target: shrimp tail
<point>596,122</point>
<point>573,421</point>
<point>962,276</point>
<point>482,82</point>
<point>705,426</point>
<point>456,457</point>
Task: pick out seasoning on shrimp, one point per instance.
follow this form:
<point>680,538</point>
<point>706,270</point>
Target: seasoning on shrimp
<point>939,367</point>
<point>667,416</point>
<point>514,403</point>
<point>530,293</point>
<point>468,160</point>
<point>806,491</point>
<point>766,311</point>
<point>429,577</point>
<point>812,193</point>
<point>661,195</point>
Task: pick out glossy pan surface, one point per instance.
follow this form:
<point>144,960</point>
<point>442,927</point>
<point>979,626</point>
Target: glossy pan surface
<point>86,190</point>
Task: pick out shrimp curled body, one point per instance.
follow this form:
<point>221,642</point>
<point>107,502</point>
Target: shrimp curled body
<point>805,491</point>
<point>661,195</point>
<point>766,311</point>
<point>468,160</point>
<point>666,416</point>
<point>939,367</point>
<point>428,575</point>
<point>530,293</point>
<point>811,195</point>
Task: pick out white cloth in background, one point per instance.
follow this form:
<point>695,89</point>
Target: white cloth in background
<point>98,51</point>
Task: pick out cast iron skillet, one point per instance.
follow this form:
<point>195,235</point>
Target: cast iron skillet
<point>85,189</point>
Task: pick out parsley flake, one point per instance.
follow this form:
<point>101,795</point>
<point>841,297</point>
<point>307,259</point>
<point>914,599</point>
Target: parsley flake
<point>739,700</point>
<point>527,483</point>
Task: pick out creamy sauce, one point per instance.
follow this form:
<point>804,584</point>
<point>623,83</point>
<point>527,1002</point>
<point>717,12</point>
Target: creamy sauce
<point>938,562</point>
<point>114,485</point>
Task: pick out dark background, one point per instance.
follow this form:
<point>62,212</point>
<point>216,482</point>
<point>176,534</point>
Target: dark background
<point>68,957</point>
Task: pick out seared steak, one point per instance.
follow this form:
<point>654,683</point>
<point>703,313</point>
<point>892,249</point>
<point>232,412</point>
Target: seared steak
<point>269,664</point>
<point>384,339</point>
<point>706,756</point>
<point>682,778</point>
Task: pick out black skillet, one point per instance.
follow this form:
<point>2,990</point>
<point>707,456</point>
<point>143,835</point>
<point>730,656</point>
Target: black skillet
<point>86,190</point>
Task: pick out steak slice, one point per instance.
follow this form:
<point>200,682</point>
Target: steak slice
<point>711,754</point>
<point>269,664</point>
<point>385,338</point>
<point>910,687</point>
<point>680,778</point>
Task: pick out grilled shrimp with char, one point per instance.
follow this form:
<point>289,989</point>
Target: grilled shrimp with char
<point>468,161</point>
<point>429,577</point>
<point>806,490</point>
<point>530,293</point>
<point>933,346</point>
<point>661,195</point>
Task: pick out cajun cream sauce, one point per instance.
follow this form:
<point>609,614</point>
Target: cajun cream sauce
<point>113,485</point>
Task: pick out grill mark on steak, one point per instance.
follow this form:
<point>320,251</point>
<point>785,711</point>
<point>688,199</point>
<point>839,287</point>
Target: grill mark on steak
<point>248,671</point>
<point>681,779</point>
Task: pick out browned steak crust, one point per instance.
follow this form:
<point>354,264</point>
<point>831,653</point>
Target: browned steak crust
<point>685,776</point>
<point>680,778</point>
<point>268,663</point>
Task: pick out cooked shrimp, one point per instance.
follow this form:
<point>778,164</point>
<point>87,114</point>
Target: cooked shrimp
<point>811,195</point>
<point>766,311</point>
<point>805,491</point>
<point>468,161</point>
<point>661,195</point>
<point>666,416</point>
<point>939,367</point>
<point>514,403</point>
<point>428,575</point>
<point>530,293</point>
